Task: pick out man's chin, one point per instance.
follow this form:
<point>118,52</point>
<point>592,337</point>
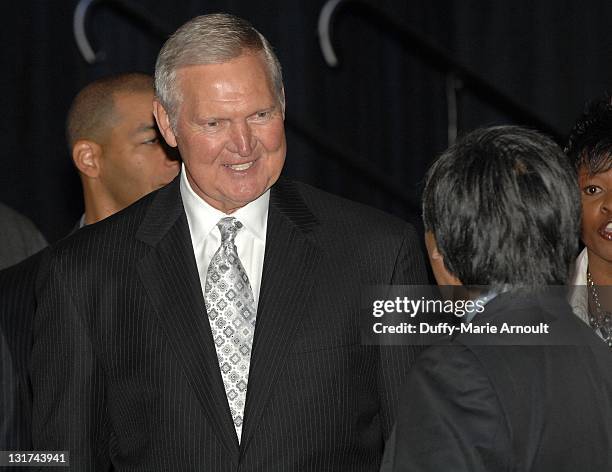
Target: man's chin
<point>238,201</point>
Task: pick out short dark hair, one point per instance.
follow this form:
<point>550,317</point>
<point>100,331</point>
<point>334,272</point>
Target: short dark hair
<point>504,207</point>
<point>590,141</point>
<point>91,113</point>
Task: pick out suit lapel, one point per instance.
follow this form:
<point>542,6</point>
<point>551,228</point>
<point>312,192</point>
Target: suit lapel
<point>169,273</point>
<point>290,261</point>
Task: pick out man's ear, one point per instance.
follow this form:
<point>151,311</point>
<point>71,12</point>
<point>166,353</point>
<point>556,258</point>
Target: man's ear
<point>435,255</point>
<point>86,156</point>
<point>163,123</point>
<point>436,259</point>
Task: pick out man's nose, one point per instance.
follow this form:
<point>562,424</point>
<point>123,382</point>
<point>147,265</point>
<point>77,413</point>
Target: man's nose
<point>241,139</point>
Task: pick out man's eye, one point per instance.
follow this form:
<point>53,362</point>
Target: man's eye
<point>262,115</point>
<point>152,141</point>
<point>212,124</point>
<point>591,190</point>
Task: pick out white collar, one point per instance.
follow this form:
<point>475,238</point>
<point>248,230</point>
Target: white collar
<point>579,269</point>
<point>203,218</point>
<point>577,293</point>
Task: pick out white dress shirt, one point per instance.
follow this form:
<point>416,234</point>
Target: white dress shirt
<point>206,238</point>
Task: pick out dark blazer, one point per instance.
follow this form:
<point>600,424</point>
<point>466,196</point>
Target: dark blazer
<point>481,405</point>
<point>124,369</point>
<point>18,285</point>
<point>19,238</point>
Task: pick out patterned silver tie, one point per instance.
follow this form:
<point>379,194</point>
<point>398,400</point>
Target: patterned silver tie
<point>231,311</point>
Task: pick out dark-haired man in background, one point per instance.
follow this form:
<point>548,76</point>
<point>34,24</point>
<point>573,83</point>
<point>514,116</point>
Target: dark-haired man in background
<point>484,402</point>
<point>214,325</point>
<point>114,144</point>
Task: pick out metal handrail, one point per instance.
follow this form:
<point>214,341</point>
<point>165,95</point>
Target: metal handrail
<point>431,54</point>
<point>130,9</point>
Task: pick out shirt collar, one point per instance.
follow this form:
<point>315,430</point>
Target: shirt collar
<point>203,218</point>
<point>480,300</point>
<point>579,268</point>
<point>577,292</point>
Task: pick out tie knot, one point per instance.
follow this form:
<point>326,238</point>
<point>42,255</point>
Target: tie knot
<point>228,227</point>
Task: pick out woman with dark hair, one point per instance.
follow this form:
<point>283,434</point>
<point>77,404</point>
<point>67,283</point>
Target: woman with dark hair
<point>590,153</point>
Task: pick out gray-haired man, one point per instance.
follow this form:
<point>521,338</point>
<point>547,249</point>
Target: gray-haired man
<point>214,324</point>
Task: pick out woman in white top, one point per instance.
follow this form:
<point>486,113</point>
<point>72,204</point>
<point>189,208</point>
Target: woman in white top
<point>590,151</point>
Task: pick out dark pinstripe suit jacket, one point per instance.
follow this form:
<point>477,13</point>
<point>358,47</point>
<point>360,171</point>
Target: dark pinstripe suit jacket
<point>17,308</point>
<point>124,369</point>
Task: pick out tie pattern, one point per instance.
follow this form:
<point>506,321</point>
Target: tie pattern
<point>231,312</point>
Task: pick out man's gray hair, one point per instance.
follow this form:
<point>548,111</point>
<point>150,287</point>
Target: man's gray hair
<point>210,39</point>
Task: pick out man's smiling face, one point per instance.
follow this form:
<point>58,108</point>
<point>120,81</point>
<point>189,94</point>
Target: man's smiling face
<point>229,130</point>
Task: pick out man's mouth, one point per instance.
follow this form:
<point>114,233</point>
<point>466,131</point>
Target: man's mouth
<point>240,167</point>
<point>605,231</point>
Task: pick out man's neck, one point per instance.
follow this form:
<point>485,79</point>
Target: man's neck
<point>97,207</point>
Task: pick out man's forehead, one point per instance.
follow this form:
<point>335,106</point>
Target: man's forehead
<point>241,87</point>
<point>127,100</point>
<point>134,106</point>
<point>248,66</point>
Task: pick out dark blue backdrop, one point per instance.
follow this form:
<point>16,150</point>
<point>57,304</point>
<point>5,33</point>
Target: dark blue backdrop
<point>384,107</point>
